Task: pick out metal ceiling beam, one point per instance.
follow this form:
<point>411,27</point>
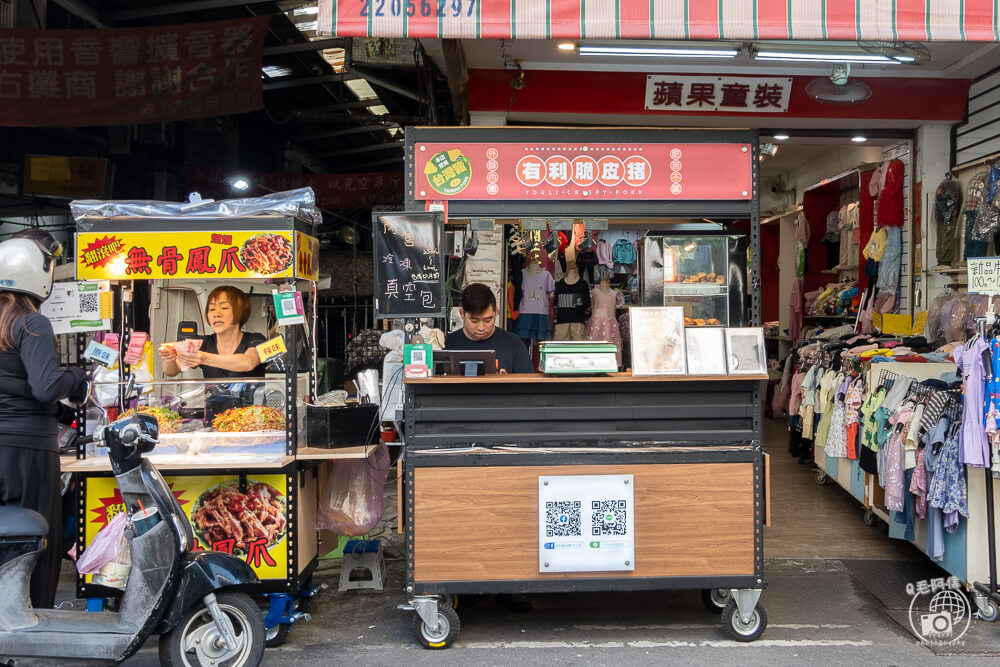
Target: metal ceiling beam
<point>284,82</point>
<point>346,131</point>
<point>363,149</point>
<point>379,163</point>
<point>376,80</point>
<point>173,8</point>
<point>81,10</point>
<point>332,43</point>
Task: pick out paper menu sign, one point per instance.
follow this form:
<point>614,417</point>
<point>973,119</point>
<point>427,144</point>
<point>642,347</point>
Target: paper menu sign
<point>271,349</point>
<point>76,306</point>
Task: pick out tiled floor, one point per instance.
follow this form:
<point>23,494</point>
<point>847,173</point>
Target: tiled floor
<point>812,521</point>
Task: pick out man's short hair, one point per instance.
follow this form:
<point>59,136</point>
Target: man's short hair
<point>477,298</point>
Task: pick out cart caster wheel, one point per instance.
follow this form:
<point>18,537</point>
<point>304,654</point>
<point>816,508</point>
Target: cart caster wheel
<point>449,601</point>
<point>987,610</point>
<point>740,631</point>
<point>716,599</point>
<point>870,519</point>
<point>820,477</point>
<point>883,527</point>
<point>447,632</point>
<point>277,635</point>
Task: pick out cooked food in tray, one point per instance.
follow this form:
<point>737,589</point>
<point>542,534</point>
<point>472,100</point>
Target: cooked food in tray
<point>169,421</point>
<point>253,418</point>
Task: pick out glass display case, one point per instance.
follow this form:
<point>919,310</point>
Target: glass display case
<point>240,421</point>
<point>705,274</point>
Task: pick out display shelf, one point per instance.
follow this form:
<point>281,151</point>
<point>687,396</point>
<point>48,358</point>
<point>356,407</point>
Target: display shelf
<point>180,464</point>
<point>829,317</point>
<point>695,289</point>
<point>950,270</point>
<point>537,378</point>
<point>338,453</point>
<point>840,269</point>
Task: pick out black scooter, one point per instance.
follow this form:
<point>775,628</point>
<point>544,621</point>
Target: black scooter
<point>190,598</point>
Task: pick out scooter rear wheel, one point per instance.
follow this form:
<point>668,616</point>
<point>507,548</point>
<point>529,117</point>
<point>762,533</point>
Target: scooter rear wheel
<point>197,642</point>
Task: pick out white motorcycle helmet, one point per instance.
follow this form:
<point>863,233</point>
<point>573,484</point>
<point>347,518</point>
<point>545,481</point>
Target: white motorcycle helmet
<point>27,263</point>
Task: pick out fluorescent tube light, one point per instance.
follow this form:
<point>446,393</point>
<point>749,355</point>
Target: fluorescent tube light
<point>823,57</point>
<point>859,139</point>
<point>656,52</point>
<point>781,137</point>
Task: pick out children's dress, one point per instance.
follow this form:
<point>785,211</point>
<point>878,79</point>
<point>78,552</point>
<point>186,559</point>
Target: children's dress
<point>602,324</point>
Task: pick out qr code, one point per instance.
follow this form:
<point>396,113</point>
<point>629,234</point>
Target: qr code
<point>89,303</point>
<point>608,517</point>
<point>562,518</point>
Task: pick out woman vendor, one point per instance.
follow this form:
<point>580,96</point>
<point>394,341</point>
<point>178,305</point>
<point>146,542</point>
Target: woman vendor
<point>229,352</point>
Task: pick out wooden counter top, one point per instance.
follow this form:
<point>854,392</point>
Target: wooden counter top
<point>540,378</point>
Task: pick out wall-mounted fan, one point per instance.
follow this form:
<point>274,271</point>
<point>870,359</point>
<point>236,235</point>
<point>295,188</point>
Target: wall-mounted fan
<point>908,53</point>
<point>837,89</point>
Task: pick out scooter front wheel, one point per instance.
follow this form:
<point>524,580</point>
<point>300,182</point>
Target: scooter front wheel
<point>197,642</point>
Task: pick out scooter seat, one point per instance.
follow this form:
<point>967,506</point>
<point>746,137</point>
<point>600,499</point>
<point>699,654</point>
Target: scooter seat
<point>22,522</point>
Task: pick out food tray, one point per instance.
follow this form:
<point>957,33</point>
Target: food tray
<point>214,442</point>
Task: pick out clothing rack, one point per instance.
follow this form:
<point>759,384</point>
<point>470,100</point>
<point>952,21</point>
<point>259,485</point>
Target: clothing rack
<point>986,594</point>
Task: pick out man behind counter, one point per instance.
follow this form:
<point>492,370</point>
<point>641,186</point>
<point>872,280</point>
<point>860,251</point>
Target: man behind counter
<point>479,331</point>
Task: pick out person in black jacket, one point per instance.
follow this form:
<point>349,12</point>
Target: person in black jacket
<point>31,386</point>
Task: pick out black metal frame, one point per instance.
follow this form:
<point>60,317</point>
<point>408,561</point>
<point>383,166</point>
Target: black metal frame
<point>681,446</point>
<point>294,579</point>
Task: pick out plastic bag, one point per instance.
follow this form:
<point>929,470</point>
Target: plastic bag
<point>352,500</point>
<point>105,546</point>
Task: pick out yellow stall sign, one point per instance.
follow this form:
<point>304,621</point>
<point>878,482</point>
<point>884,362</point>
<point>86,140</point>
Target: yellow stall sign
<point>307,256</point>
<point>224,515</point>
<point>186,254</point>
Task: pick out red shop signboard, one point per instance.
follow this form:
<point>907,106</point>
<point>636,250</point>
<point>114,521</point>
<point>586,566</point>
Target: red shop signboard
<point>575,171</point>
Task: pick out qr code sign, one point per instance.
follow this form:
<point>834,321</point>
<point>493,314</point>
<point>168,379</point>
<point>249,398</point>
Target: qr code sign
<point>562,518</point>
<point>89,302</point>
<point>608,517</point>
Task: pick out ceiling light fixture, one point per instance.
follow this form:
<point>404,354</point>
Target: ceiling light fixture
<point>828,54</point>
<point>566,46</point>
<point>658,49</point>
<point>780,137</point>
<point>859,139</point>
<point>238,183</point>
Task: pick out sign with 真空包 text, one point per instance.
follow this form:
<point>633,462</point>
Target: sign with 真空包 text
<point>579,171</point>
<point>586,523</point>
<point>736,94</point>
<point>409,279</point>
<point>127,76</point>
<point>983,274</point>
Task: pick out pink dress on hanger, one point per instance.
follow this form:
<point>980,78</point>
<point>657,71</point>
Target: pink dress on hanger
<point>602,324</point>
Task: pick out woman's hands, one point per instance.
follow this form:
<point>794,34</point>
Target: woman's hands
<point>190,359</point>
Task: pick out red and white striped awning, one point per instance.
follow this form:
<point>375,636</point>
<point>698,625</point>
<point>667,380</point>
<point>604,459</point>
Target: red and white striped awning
<point>910,20</point>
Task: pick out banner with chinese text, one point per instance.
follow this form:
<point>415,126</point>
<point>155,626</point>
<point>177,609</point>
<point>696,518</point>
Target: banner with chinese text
<point>333,191</point>
<point>250,522</point>
<point>236,254</point>
<point>602,171</point>
<point>123,76</point>
<point>747,94</point>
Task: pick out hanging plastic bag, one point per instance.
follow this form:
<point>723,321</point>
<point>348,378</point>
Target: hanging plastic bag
<point>352,501</point>
<point>104,548</point>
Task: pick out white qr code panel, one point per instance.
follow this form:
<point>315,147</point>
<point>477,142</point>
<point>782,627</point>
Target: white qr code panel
<point>586,523</point>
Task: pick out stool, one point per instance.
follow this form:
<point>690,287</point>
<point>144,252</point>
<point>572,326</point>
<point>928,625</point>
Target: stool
<point>363,555</point>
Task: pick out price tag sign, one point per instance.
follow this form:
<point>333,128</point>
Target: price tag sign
<point>288,308</point>
<point>983,275</point>
<point>271,349</point>
<point>101,354</point>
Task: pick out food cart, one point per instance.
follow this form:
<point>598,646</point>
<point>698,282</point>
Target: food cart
<point>665,474</point>
<point>234,451</point>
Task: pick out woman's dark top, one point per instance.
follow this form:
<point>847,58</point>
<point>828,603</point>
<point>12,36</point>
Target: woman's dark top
<point>210,344</point>
<point>32,384</point>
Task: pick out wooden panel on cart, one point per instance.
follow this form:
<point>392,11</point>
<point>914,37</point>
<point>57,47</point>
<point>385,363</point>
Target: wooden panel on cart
<point>481,523</point>
<point>306,542</point>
